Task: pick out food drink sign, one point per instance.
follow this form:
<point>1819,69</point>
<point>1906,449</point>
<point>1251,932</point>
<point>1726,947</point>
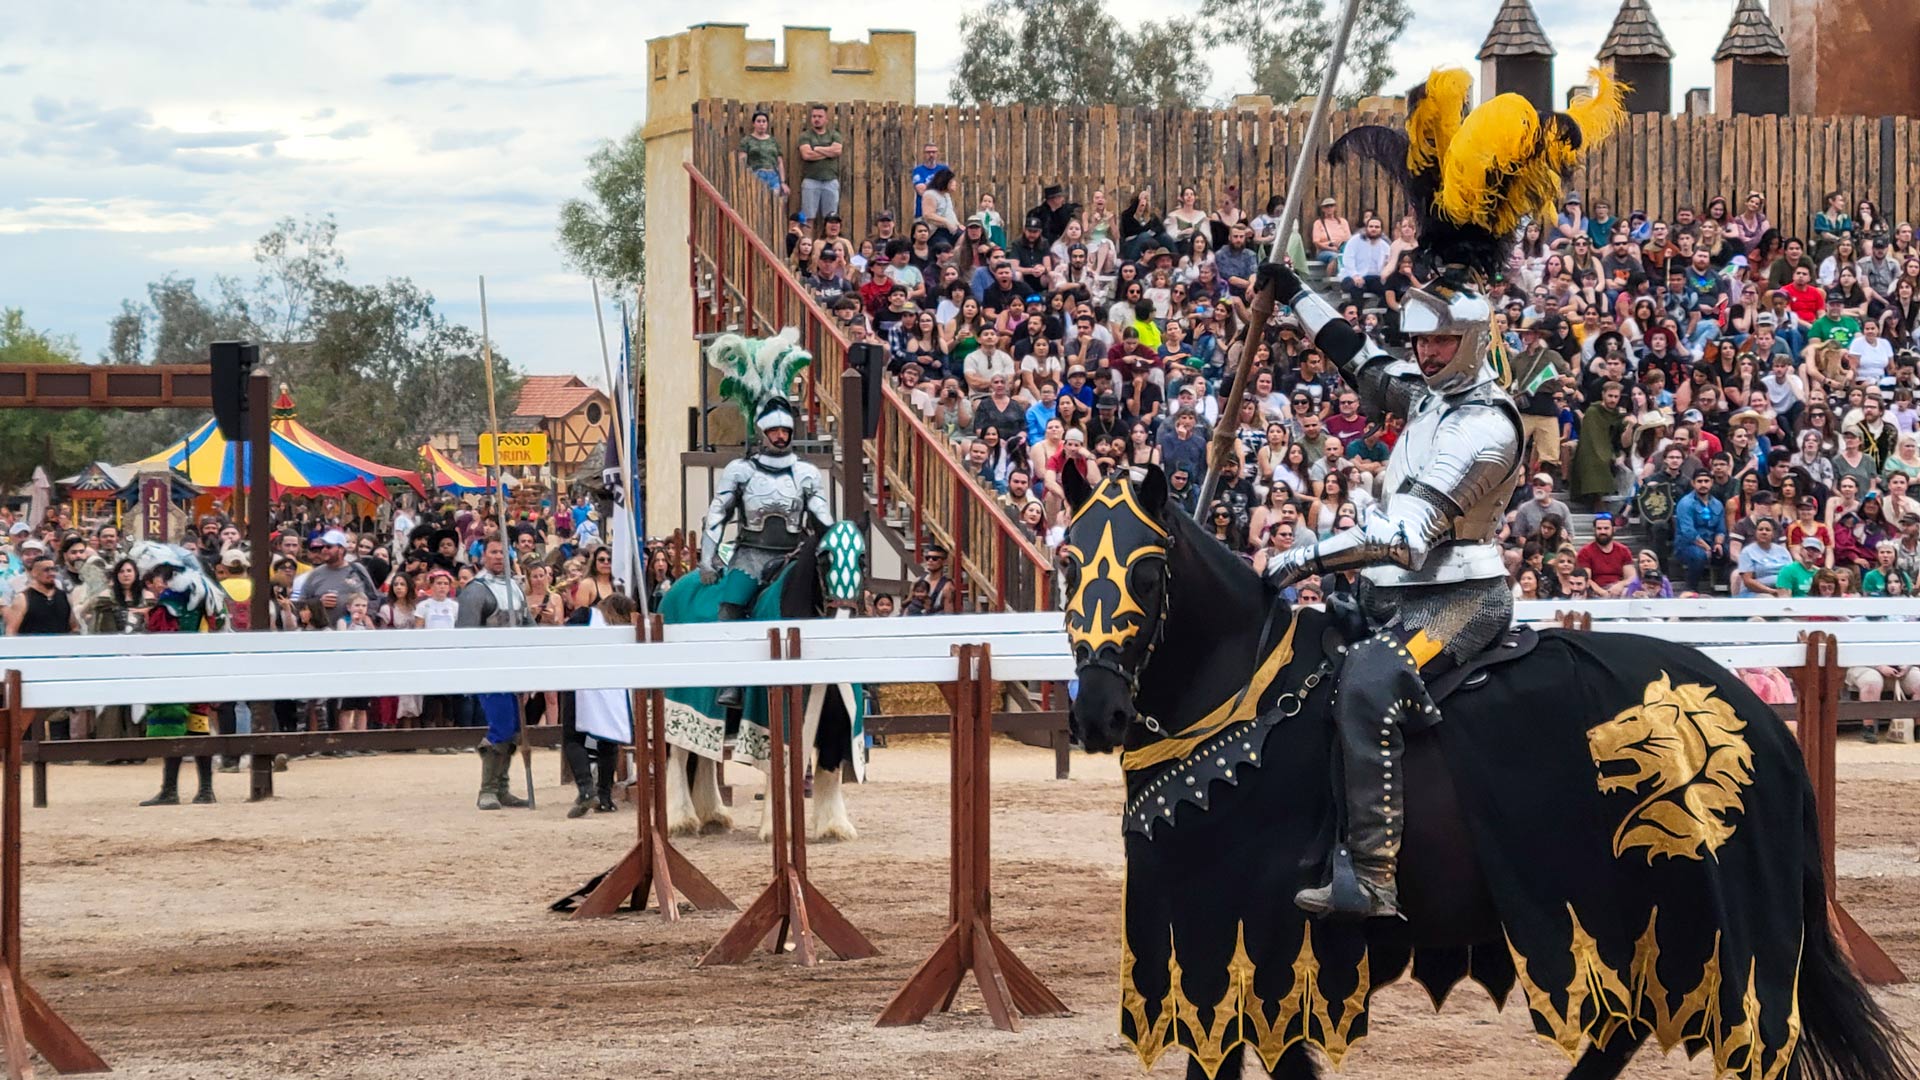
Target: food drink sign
<point>516,448</point>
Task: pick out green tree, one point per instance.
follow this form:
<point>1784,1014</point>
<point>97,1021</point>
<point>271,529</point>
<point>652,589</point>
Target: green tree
<point>1286,43</point>
<point>374,368</point>
<point>604,235</point>
<point>63,440</point>
<point>1071,52</point>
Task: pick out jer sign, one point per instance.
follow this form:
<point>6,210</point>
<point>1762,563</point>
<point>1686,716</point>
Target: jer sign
<point>516,448</point>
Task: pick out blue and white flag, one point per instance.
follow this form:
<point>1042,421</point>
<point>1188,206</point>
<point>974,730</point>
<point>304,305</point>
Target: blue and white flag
<point>626,530</point>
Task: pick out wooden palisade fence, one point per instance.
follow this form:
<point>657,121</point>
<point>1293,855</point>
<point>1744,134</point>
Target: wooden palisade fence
<point>1656,164</point>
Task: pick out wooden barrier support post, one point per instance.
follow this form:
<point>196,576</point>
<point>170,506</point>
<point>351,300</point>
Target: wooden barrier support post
<point>790,901</point>
<point>1819,688</point>
<point>25,1017</point>
<point>653,862</point>
<point>1008,987</point>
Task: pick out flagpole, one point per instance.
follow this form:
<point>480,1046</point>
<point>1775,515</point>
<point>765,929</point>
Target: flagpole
<point>618,433</point>
<point>493,422</point>
<point>630,463</point>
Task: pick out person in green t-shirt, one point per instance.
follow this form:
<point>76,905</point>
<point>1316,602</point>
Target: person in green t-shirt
<point>1874,583</point>
<point>761,153</point>
<point>1796,578</point>
<point>1831,225</point>
<point>1833,325</point>
<point>820,151</point>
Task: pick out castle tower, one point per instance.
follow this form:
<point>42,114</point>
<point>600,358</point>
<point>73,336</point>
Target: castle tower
<point>1517,57</point>
<point>1750,70</point>
<point>1641,58</point>
<point>718,60</point>
<point>1852,57</point>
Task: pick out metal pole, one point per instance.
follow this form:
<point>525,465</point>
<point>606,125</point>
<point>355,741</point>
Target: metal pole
<point>493,422</point>
<point>1262,308</point>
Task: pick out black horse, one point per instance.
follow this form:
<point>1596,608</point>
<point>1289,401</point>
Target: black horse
<point>1171,632</point>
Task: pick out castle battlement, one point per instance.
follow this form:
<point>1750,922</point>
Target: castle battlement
<point>719,60</point>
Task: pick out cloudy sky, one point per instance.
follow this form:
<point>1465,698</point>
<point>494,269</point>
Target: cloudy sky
<point>142,137</point>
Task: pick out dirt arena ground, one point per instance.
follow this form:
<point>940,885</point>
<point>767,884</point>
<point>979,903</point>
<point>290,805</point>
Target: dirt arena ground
<point>370,923</point>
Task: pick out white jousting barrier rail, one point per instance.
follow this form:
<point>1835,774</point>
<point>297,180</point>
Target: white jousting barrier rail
<point>67,672</point>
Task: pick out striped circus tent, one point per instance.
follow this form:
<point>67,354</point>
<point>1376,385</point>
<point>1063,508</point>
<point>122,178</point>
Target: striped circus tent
<point>286,422</point>
<point>449,476</point>
<point>206,460</point>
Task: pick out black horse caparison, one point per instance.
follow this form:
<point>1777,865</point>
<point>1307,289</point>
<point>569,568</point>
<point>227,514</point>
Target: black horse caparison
<point>1176,621</point>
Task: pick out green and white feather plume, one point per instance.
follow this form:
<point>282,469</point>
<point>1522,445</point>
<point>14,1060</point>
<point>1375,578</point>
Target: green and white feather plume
<point>755,370</point>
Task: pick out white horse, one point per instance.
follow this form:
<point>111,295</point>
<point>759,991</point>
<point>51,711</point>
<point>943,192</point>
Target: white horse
<point>695,806</point>
<point>832,717</point>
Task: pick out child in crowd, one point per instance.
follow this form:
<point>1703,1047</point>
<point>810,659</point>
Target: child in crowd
<point>439,610</point>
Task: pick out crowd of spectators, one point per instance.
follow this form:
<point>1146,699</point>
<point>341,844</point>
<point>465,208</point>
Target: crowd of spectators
<point>1739,393</point>
<point>397,568</point>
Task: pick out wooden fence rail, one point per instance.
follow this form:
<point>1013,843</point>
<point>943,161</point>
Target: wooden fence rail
<point>1656,164</point>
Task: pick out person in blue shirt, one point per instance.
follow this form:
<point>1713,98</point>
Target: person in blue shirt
<point>1042,411</point>
<point>1600,225</point>
<point>930,163</point>
<point>1078,386</point>
<point>1699,532</point>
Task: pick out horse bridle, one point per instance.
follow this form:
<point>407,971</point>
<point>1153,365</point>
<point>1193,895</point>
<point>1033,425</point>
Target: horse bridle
<point>1100,659</point>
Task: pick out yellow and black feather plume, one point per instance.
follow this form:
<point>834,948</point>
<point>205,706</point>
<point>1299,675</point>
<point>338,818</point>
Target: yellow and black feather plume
<point>1473,177</point>
<point>1434,112</point>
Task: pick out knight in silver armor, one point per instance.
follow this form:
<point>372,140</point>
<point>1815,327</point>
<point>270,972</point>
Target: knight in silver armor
<point>1432,587</point>
<point>772,493</point>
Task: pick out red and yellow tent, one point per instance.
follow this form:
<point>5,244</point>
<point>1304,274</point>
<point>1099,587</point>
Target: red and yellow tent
<point>300,462</point>
<point>286,424</point>
<point>447,475</point>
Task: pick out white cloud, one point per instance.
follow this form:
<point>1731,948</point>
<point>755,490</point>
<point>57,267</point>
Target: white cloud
<point>203,255</point>
<point>455,139</point>
<point>111,215</point>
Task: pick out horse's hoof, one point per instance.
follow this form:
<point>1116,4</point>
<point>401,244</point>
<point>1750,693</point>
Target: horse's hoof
<point>718,823</point>
<point>836,830</point>
<point>683,826</point>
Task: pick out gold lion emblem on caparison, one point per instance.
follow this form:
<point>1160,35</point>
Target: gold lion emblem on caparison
<point>1688,761</point>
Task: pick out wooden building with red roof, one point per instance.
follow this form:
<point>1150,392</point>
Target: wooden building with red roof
<point>575,417</point>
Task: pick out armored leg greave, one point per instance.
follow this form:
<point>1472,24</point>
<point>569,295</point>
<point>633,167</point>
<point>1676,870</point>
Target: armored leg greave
<point>1380,684</point>
<point>730,697</point>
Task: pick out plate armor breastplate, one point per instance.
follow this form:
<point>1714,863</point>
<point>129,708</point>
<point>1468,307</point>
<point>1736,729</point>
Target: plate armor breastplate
<point>772,507</point>
<point>1432,445</point>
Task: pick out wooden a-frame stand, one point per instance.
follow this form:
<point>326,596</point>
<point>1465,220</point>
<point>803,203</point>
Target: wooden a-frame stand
<point>1818,685</point>
<point>790,901</point>
<point>1008,987</point>
<point>653,862</point>
<point>25,1017</point>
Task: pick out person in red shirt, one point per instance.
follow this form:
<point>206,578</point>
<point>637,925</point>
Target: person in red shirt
<point>1347,424</point>
<point>1605,561</point>
<point>1806,299</point>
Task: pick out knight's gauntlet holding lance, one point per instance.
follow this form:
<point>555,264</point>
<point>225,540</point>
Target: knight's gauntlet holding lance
<point>1376,540</point>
